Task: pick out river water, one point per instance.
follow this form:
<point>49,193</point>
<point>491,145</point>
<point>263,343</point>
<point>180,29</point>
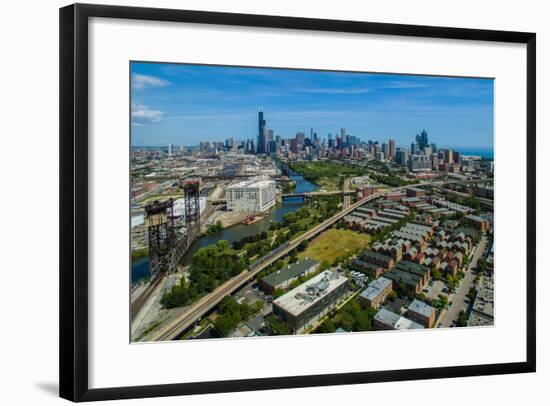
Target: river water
<point>140,266</point>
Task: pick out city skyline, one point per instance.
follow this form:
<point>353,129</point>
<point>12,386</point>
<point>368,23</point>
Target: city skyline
<point>186,104</point>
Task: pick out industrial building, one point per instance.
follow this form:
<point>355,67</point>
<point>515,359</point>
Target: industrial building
<point>254,195</point>
<point>282,278</point>
<point>311,300</point>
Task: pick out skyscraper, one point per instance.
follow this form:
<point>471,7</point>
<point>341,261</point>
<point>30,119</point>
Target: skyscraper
<point>422,140</point>
<point>261,133</point>
<point>402,156</point>
<point>392,148</point>
<point>169,149</point>
<point>300,139</point>
<point>294,145</point>
<point>386,149</point>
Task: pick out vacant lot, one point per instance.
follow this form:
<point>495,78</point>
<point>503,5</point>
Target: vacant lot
<point>335,243</point>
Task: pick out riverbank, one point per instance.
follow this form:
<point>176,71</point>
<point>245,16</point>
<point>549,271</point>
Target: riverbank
<point>234,229</point>
<point>140,252</point>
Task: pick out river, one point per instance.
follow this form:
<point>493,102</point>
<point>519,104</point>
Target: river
<point>140,266</point>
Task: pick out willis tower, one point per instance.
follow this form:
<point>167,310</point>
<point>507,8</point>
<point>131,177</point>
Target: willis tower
<point>262,142</point>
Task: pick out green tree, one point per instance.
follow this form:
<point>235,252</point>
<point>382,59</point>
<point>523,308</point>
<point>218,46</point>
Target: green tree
<point>277,327</point>
<point>462,320</point>
<point>277,293</point>
<point>482,265</point>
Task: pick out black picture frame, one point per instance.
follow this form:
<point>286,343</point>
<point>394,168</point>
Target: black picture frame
<point>73,278</point>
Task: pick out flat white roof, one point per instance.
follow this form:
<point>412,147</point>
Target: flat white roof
<point>310,292</point>
<point>251,183</point>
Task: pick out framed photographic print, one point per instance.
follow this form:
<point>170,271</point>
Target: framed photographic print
<point>257,202</point>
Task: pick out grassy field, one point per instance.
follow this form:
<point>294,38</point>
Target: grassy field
<point>327,173</point>
<point>330,184</point>
<point>334,243</point>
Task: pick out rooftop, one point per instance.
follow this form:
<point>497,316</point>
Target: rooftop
<point>375,288</point>
<point>412,267</point>
<point>291,271</point>
<point>395,321</point>
<point>407,278</point>
<point>376,255</point>
<point>251,183</point>
<point>421,308</point>
<point>308,293</point>
<point>365,265</point>
<point>475,218</point>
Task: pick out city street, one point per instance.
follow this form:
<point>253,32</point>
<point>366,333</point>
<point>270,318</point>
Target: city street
<point>458,299</point>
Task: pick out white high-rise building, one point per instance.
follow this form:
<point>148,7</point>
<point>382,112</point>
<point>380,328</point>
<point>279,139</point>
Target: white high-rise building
<point>254,195</point>
<point>169,149</point>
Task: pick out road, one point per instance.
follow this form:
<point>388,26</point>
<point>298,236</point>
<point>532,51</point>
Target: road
<point>467,282</point>
<point>207,302</point>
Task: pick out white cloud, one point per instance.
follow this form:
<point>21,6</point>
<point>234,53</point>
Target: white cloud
<point>336,90</point>
<point>403,85</point>
<point>142,114</point>
<point>144,81</point>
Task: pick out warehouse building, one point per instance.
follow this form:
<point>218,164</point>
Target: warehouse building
<point>254,195</point>
<point>308,302</point>
<point>284,277</point>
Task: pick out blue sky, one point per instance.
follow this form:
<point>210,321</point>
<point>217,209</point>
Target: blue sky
<point>174,103</point>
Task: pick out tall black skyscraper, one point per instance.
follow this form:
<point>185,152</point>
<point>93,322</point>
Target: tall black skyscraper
<point>422,140</point>
<point>262,142</point>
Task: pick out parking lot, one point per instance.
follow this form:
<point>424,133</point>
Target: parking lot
<point>250,295</point>
<point>434,289</point>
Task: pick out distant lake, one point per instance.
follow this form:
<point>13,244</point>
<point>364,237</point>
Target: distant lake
<point>482,152</point>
